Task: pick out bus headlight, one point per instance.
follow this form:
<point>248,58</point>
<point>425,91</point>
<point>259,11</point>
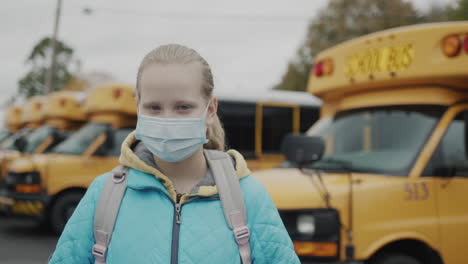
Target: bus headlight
<point>314,232</point>
<point>28,182</point>
<point>306,224</point>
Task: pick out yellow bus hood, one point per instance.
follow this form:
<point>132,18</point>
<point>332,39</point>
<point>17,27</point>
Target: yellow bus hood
<point>9,155</point>
<point>59,172</point>
<point>6,157</point>
<point>291,189</point>
<point>29,164</point>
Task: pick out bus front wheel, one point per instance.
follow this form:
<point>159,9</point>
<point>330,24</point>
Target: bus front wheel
<point>395,258</point>
<point>63,209</point>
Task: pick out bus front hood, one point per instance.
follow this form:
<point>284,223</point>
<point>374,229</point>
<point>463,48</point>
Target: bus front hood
<point>9,155</point>
<point>33,163</point>
<point>291,189</point>
<point>59,171</point>
<point>6,157</point>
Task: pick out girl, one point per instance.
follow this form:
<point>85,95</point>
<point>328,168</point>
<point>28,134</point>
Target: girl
<point>171,210</point>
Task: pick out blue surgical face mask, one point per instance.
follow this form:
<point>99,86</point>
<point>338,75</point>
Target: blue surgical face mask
<point>172,139</point>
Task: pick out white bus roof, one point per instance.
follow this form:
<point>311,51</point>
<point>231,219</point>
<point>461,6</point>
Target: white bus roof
<point>300,98</point>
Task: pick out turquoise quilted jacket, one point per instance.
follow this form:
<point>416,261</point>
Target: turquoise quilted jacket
<point>146,230</point>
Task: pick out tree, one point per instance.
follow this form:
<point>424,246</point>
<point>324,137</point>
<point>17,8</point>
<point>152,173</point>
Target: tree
<point>34,82</point>
<point>342,20</point>
<point>459,11</point>
<point>436,13</point>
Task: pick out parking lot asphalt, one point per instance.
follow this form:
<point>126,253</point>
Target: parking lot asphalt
<point>23,241</point>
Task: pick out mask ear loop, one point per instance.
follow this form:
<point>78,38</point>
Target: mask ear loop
<point>206,108</point>
<point>204,119</point>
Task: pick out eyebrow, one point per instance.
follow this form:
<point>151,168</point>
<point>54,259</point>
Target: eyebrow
<point>185,102</point>
<point>178,102</point>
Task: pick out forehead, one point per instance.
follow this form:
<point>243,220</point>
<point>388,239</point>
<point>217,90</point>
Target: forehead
<point>163,80</point>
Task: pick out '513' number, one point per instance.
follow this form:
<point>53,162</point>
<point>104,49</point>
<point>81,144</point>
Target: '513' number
<point>416,191</point>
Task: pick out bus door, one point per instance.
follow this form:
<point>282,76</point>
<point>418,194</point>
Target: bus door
<point>273,121</point>
<point>449,164</point>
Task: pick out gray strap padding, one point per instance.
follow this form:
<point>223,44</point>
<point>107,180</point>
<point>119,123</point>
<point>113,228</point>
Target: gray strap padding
<point>106,211</point>
<point>227,182</point>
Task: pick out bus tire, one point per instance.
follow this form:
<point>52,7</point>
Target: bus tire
<point>63,209</point>
<point>395,258</point>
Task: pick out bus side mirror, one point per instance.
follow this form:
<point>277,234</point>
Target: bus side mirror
<point>56,135</point>
<point>109,143</point>
<point>106,144</point>
<point>20,144</point>
<point>302,149</point>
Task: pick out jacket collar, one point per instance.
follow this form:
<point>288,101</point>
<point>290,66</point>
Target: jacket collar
<point>147,175</point>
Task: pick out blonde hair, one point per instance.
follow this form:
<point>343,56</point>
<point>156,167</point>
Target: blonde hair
<point>178,54</point>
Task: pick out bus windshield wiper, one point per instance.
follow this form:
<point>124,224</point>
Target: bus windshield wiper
<point>346,167</point>
<point>332,163</point>
<point>316,169</point>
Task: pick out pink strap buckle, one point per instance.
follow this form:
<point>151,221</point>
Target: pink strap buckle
<point>242,234</point>
<point>99,252</point>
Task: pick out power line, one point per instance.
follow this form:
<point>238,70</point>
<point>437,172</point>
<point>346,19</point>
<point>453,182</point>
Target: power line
<point>192,16</point>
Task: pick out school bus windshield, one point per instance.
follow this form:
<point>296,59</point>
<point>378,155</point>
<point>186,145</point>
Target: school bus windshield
<point>4,135</point>
<point>383,140</point>
<point>37,137</point>
<point>10,142</point>
<point>77,143</point>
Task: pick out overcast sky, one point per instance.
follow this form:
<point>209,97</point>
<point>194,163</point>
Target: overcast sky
<point>247,42</point>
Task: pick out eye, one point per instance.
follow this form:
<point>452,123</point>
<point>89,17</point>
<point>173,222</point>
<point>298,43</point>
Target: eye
<point>184,107</point>
<point>154,107</point>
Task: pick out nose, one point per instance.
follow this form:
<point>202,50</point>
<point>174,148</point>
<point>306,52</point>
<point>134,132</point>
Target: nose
<point>167,113</point>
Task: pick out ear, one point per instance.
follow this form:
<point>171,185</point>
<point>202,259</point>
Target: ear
<point>212,111</point>
<point>138,105</point>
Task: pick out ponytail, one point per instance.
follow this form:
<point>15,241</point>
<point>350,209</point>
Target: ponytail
<point>215,135</point>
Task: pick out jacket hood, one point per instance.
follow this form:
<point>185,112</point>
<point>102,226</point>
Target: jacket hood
<point>139,161</point>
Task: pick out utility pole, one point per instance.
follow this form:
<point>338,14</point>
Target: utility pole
<point>50,79</point>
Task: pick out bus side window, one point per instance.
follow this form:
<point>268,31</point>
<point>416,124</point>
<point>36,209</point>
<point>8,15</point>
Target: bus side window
<point>277,123</point>
<point>118,136</point>
<point>238,119</point>
<point>450,159</point>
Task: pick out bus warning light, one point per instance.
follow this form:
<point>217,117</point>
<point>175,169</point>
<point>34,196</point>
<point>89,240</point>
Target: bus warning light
<point>327,66</point>
<point>117,93</point>
<point>318,69</point>
<point>451,45</point>
<point>465,44</point>
<point>323,67</point>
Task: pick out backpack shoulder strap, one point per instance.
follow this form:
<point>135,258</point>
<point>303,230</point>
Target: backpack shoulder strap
<point>221,164</point>
<point>106,212</point>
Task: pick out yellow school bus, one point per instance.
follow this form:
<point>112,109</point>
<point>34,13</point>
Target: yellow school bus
<point>24,120</point>
<point>32,118</point>
<point>13,122</point>
<point>388,183</point>
<point>49,186</point>
<point>63,113</point>
<point>60,112</point>
<point>255,123</point>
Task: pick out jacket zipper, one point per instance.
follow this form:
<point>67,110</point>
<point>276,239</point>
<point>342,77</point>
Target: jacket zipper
<point>176,230</point>
<point>177,219</point>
